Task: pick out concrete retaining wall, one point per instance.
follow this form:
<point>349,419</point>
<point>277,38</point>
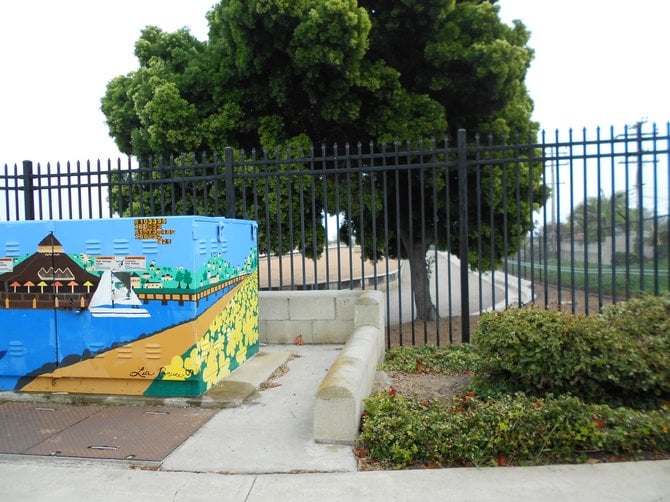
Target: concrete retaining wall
<point>354,318</point>
<point>320,317</point>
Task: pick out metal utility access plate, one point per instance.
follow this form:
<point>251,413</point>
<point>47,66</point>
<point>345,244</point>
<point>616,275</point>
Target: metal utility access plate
<point>111,432</point>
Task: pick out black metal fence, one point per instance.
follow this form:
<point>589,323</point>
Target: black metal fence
<point>570,222</point>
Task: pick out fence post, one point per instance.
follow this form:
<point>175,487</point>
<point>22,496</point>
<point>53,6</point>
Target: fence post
<point>463,234</point>
<point>640,204</point>
<point>230,187</point>
<point>28,200</point>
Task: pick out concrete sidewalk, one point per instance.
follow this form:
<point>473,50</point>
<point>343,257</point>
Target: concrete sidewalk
<point>271,433</point>
<point>264,450</point>
<point>46,479</point>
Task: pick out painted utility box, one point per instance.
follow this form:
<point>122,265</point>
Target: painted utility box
<point>135,306</point>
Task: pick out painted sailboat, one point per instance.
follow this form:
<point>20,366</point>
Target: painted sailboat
<point>112,298</point>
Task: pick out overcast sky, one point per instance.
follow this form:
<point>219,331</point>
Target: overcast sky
<point>597,62</point>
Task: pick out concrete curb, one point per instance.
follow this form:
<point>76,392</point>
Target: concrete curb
<point>245,381</point>
<point>339,399</point>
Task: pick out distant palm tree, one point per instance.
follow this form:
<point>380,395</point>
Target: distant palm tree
<point>658,238</point>
<point>601,216</point>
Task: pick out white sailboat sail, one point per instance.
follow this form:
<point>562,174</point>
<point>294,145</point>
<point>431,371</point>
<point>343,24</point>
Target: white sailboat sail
<point>113,299</point>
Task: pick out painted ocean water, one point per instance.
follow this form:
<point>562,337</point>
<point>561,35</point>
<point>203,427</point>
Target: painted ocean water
<point>33,338</point>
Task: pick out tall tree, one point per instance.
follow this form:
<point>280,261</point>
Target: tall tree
<point>294,73</point>
<point>460,60</point>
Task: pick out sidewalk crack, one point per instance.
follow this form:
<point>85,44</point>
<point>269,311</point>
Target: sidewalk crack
<point>251,488</point>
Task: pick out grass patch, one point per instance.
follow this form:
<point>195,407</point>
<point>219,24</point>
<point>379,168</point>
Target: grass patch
<point>618,281</point>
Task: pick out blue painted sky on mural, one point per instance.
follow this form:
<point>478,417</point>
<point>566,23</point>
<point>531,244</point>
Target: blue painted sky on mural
<point>596,63</point>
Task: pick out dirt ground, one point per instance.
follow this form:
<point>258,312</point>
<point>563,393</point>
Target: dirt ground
<point>422,386</point>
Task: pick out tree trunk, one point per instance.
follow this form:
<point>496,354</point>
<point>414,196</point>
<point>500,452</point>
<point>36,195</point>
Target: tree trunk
<point>416,251</point>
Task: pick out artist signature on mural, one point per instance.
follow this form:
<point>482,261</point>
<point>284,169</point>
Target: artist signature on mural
<point>175,373</point>
<point>163,372</point>
<point>142,373</point>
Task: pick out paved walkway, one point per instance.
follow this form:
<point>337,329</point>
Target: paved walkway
<point>263,451</point>
<point>271,433</point>
<point>46,480</point>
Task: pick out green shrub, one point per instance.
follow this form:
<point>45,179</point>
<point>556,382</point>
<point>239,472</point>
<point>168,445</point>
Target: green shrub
<point>647,316</point>
<point>513,430</point>
<point>645,325</point>
<point>619,356</point>
<point>537,350</point>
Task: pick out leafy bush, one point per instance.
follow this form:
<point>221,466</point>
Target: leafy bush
<point>620,356</point>
<point>512,430</point>
<point>452,359</point>
<point>647,316</point>
<point>645,325</point>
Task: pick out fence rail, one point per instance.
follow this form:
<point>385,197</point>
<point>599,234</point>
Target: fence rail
<point>573,223</point>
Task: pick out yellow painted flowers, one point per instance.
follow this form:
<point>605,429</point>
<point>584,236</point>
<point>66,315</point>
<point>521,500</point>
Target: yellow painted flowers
<point>230,339</point>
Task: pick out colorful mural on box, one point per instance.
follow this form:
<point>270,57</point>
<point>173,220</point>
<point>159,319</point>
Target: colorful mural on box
<point>172,319</point>
<point>231,338</point>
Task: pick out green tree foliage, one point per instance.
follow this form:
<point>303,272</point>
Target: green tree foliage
<point>290,74</point>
